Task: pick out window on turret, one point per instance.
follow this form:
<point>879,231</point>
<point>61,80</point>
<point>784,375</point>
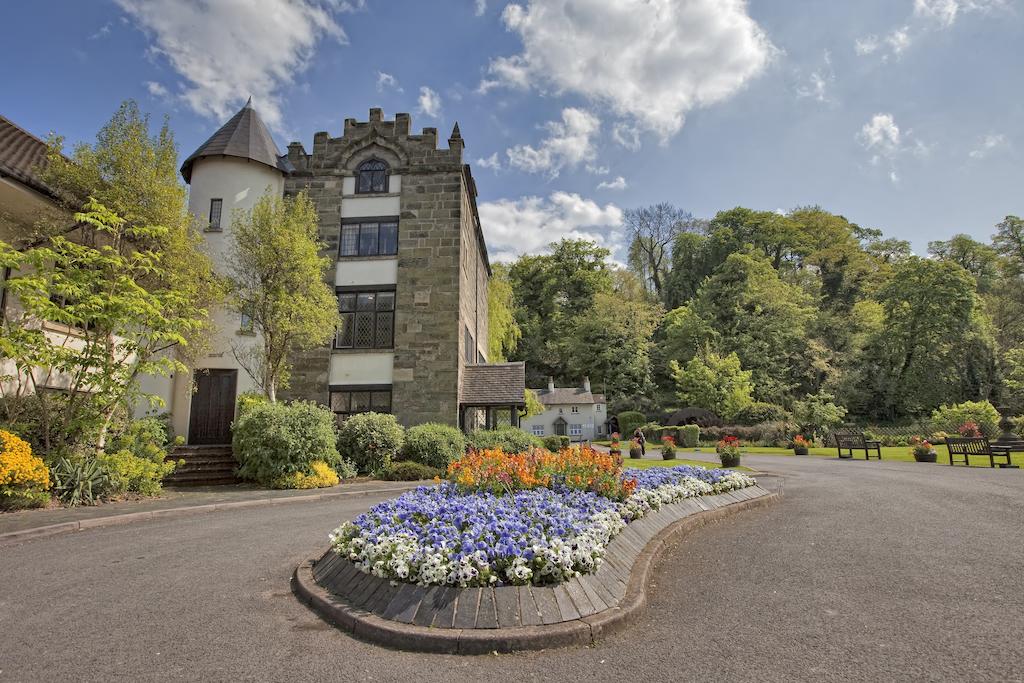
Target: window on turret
<point>372,176</point>
<point>216,205</point>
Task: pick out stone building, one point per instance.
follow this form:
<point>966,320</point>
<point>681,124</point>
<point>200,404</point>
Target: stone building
<point>398,216</point>
<point>575,412</point>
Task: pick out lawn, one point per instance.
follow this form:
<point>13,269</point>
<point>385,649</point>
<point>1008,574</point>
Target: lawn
<point>645,463</point>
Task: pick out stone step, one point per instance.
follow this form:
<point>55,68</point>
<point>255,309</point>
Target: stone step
<point>202,479</point>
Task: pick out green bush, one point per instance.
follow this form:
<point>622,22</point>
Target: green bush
<point>817,415</point>
<point>128,473</point>
<point>553,443</point>
<point>148,438</point>
<point>509,439</point>
<point>407,470</point>
<point>951,418</point>
<point>689,436</point>
<point>758,412</point>
<point>346,469</point>
<point>628,422</point>
<point>22,499</point>
<point>79,481</point>
<point>247,400</point>
<point>371,440</point>
<point>277,439</point>
<point>564,441</point>
<point>433,444</point>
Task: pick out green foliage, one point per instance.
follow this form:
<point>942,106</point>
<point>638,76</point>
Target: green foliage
<point>129,473</point>
<point>716,383</point>
<point>502,328</point>
<point>668,449</point>
<point>274,440</point>
<point>949,418</point>
<point>1013,378</point>
<point>817,415</point>
<point>79,481</point>
<point>371,440</point>
<point>509,439</point>
<point>409,471</point>
<point>553,442</point>
<point>148,438</point>
<point>247,400</point>
<point>433,444</point>
<point>629,420</point>
<point>533,404</point>
<point>759,411</point>
<point>689,436</point>
<point>291,308</point>
<point>16,498</point>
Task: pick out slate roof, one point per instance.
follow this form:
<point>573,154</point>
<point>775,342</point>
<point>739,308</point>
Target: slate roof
<point>562,396</point>
<point>21,155</point>
<point>244,136</point>
<point>487,384</point>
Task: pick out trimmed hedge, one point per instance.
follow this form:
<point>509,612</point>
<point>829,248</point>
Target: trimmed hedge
<point>371,440</point>
<point>275,440</point>
<point>553,443</point>
<point>433,444</point>
<point>759,412</point>
<point>407,470</point>
<point>508,439</point>
<point>629,420</point>
<point>689,436</point>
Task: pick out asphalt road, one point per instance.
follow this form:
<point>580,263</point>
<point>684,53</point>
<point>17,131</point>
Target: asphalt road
<point>865,571</point>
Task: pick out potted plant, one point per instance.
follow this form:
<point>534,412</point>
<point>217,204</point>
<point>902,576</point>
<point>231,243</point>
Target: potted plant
<point>668,448</point>
<point>800,445</point>
<point>923,450</point>
<point>729,451</point>
<point>615,448</point>
<point>634,450</point>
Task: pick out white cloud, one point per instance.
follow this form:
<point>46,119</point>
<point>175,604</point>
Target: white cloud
<point>945,12</point>
<point>618,184</point>
<point>385,81</point>
<point>987,144</point>
<point>429,102</point>
<point>887,143</point>
<point>490,162</point>
<point>650,61</point>
<point>481,7</point>
<point>101,32</point>
<point>819,82</point>
<point>530,224</point>
<point>893,44</point>
<point>157,89</point>
<point>626,135</point>
<point>569,143</point>
<point>227,51</point>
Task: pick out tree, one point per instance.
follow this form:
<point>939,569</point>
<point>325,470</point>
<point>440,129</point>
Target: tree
<point>714,382</point>
<point>978,259</point>
<point>817,415</point>
<point>652,229</point>
<point>276,277</point>
<point>503,330</point>
<point>533,404</point>
<point>121,307</point>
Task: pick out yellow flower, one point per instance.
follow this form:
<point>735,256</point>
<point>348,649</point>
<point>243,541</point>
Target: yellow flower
<point>18,467</point>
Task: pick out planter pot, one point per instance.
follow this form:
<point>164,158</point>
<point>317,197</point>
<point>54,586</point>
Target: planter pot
<point>798,450</point>
<point>614,451</point>
<point>635,453</point>
<point>930,456</point>
<point>729,460</point>
<point>667,454</point>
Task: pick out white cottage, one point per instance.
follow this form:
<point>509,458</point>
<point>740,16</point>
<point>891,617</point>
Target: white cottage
<point>575,412</point>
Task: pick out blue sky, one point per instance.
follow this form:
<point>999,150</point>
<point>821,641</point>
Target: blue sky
<point>904,115</point>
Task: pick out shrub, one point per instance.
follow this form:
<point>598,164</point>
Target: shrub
<point>758,412</point>
<point>321,476</point>
<point>817,415</point>
<point>24,478</point>
<point>689,435</point>
<point>629,421</point>
<point>982,413</point>
<point>553,443</point>
<point>508,439</point>
<point>371,440</point>
<point>433,444</point>
<point>274,440</point>
<point>407,470</point>
<point>79,481</point>
<point>247,400</point>
<point>148,438</point>
<point>668,448</point>
<point>564,441</point>
<point>128,473</point>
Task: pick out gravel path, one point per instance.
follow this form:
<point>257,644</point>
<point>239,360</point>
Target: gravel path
<point>865,571</point>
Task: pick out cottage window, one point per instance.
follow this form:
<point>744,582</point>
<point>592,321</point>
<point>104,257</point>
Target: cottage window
<point>575,430</point>
<point>367,320</point>
<point>538,430</point>
<point>216,207</point>
<point>372,176</point>
<point>575,409</point>
<point>348,401</point>
<point>372,238</point>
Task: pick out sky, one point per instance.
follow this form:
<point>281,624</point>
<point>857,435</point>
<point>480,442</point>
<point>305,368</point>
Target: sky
<point>902,115</point>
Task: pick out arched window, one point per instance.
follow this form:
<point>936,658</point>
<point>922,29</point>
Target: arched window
<point>372,176</point>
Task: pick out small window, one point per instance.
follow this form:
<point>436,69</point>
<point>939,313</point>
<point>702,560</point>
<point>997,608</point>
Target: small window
<point>372,176</point>
<point>468,346</point>
<point>575,409</point>
<point>598,408</point>
<point>538,430</point>
<point>575,430</point>
<point>367,320</point>
<point>369,239</point>
<point>348,402</point>
<point>216,206</point>
<point>245,323</point>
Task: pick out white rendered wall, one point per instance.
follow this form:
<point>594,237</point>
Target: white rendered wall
<point>362,368</point>
<point>352,272</point>
<point>590,417</point>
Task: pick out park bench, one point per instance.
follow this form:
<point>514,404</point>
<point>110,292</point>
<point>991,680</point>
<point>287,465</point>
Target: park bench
<point>968,446</point>
<point>855,441</point>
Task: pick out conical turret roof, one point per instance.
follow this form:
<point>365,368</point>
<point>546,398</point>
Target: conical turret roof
<point>244,136</point>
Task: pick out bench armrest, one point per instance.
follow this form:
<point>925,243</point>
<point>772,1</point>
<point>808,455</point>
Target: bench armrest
<point>1000,450</point>
<point>873,444</point>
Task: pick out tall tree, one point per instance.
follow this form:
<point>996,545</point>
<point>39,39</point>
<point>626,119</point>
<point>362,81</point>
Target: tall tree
<point>716,383</point>
<point>277,278</point>
<point>652,230</point>
<point>503,330</point>
<point>978,259</point>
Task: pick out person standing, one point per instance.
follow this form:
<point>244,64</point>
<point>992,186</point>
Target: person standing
<point>639,437</point>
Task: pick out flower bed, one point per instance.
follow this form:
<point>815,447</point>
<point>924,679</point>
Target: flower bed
<point>465,533</point>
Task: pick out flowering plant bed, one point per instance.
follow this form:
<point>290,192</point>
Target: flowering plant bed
<point>535,518</point>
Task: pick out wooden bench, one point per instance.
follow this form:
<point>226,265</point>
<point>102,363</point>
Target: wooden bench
<point>856,441</point>
<point>968,446</point>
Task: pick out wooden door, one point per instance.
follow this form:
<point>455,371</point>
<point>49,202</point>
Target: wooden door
<point>213,407</point>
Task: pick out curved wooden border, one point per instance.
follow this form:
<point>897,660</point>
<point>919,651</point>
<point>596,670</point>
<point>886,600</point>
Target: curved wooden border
<point>581,631</point>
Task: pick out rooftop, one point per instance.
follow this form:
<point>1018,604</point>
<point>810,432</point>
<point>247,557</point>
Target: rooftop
<point>244,136</point>
<point>22,155</point>
<point>494,384</point>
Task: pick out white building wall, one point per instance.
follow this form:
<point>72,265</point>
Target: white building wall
<point>590,419</point>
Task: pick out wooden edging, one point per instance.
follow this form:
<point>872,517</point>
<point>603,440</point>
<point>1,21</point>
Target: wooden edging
<point>585,630</point>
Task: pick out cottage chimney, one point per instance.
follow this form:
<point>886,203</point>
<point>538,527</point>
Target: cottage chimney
<point>551,383</point>
<point>586,384</point>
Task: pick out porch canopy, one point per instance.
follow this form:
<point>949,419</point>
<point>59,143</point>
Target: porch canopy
<point>491,395</point>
